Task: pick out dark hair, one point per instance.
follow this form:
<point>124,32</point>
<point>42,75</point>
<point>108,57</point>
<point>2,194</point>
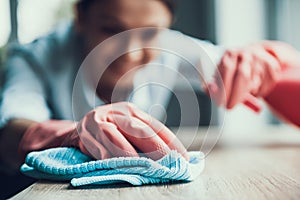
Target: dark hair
<point>171,4</point>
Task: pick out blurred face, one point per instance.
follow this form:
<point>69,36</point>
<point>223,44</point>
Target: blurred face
<point>105,18</point>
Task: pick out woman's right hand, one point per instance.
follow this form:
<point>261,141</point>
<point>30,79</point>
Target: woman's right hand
<point>119,129</point>
<point>113,130</point>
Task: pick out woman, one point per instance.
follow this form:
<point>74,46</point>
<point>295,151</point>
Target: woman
<point>40,77</point>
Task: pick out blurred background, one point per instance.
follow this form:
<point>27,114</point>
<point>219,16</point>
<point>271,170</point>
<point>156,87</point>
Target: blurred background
<point>224,22</point>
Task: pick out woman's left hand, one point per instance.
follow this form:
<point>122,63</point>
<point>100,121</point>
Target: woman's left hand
<point>247,72</point>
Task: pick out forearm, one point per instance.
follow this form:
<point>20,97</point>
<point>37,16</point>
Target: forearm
<point>10,137</point>
<point>21,136</point>
<point>284,99</point>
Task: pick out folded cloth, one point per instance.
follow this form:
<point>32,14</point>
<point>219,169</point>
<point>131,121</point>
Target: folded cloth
<point>64,164</point>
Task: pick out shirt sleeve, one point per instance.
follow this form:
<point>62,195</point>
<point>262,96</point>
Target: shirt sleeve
<point>188,47</point>
<point>24,94</point>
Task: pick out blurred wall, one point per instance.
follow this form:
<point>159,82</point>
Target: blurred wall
<point>195,18</point>
<point>283,21</point>
<point>4,22</point>
<point>239,22</point>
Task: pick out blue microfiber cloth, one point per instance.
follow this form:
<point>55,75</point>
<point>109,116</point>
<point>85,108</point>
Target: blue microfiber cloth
<point>64,163</point>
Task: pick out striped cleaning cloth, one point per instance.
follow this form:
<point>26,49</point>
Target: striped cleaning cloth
<point>64,164</point>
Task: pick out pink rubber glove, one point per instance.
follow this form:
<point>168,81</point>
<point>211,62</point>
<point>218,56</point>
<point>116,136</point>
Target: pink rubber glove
<point>285,97</point>
<point>49,134</point>
<point>270,69</point>
<point>119,129</point>
<point>246,73</point>
<point>112,130</point>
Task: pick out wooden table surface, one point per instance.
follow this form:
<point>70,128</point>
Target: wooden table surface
<point>252,166</point>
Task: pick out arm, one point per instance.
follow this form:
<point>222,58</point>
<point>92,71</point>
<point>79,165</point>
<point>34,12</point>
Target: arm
<point>23,104</point>
<point>26,128</point>
<point>113,130</point>
<point>284,99</point>
<point>269,70</point>
<point>21,136</point>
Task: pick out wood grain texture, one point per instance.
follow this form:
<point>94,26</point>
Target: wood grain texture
<point>269,169</point>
